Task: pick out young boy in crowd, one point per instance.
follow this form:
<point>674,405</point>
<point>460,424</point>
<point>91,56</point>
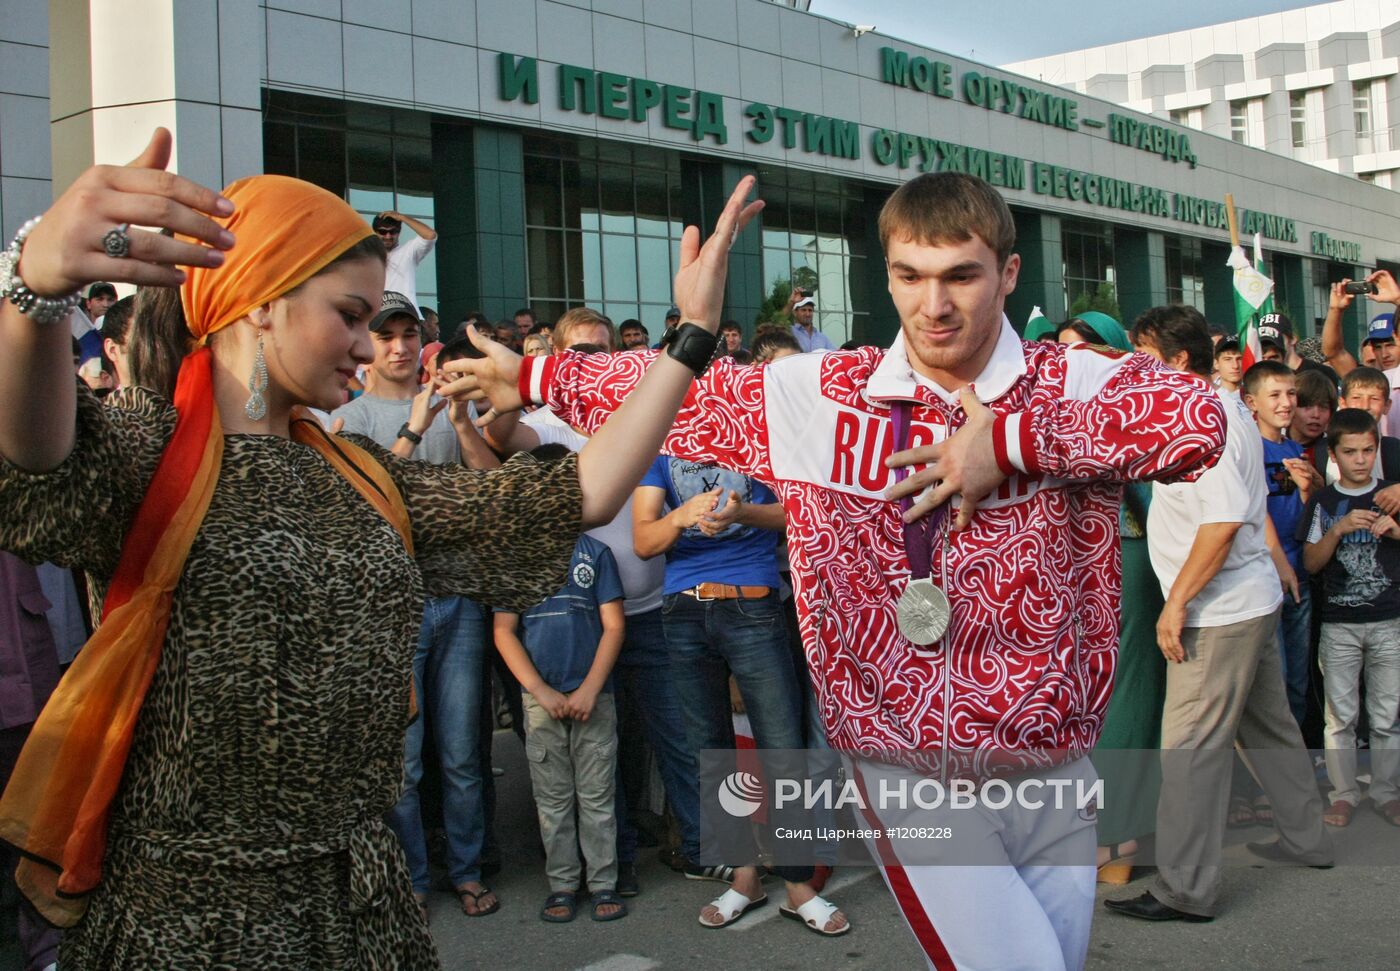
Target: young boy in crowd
<point>1229,365</point>
<point>563,657</point>
<point>1270,392</point>
<point>1356,548</point>
<point>1317,400</point>
<point>1369,390</point>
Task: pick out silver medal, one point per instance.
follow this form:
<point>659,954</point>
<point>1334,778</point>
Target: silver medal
<point>923,612</point>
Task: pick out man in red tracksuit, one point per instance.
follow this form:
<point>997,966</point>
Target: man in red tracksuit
<point>1034,438</point>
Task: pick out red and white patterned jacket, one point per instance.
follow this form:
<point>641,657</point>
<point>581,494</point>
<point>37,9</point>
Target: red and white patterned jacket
<point>1027,663</point>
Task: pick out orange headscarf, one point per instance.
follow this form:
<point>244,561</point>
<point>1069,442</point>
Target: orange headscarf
<point>56,806</point>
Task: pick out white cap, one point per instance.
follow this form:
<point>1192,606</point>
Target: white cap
<point>804,302</point>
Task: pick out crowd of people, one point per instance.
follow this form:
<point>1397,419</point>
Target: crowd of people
<point>315,540</point>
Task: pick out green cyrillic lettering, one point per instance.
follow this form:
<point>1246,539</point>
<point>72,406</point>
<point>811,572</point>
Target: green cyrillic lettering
<point>646,95</point>
<point>762,128</point>
<point>675,106</point>
<point>612,92</point>
<point>790,120</point>
<point>518,77</point>
<point>709,117</point>
<point>574,81</point>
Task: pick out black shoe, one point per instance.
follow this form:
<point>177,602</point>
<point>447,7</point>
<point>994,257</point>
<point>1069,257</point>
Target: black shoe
<point>1275,853</point>
<point>627,885</point>
<point>720,874</point>
<point>1148,907</point>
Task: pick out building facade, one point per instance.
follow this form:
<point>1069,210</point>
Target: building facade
<point>558,148</point>
<point>1320,84</point>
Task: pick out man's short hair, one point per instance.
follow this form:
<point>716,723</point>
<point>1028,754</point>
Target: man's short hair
<point>524,312</point>
<point>457,348</point>
<point>1261,371</point>
<point>1365,377</point>
<point>769,341</point>
<point>728,325</point>
<point>632,323</point>
<point>1314,389</point>
<point>385,222</point>
<point>424,312</point>
<point>580,317</point>
<point>1174,328</point>
<point>1227,345</point>
<point>118,320</point>
<point>1351,421</point>
<point>946,207</point>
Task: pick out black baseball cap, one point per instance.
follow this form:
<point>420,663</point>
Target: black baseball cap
<point>1227,344</point>
<point>1279,322</point>
<point>395,305</point>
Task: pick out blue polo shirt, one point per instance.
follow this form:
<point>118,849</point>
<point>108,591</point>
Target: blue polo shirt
<point>561,634</point>
<point>741,555</point>
<point>1285,505</point>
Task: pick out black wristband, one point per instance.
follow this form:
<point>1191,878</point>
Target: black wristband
<point>692,345</point>
<point>410,434</point>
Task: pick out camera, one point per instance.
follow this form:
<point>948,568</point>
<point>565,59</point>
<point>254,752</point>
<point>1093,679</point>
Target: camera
<point>1359,286</point>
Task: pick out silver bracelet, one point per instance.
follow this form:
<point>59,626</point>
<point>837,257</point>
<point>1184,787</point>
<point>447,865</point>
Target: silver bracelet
<point>41,310</point>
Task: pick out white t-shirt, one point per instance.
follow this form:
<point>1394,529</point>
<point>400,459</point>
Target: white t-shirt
<point>1234,491</point>
<point>401,273</point>
<point>642,580</point>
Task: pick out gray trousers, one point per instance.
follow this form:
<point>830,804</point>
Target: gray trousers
<point>1228,691</point>
<point>572,765</point>
<point>1344,650</point>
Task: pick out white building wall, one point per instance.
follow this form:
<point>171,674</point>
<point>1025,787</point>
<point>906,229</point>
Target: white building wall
<point>1321,50</point>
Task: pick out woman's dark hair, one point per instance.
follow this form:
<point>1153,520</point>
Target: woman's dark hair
<point>158,339</point>
<point>117,320</point>
<point>550,452</point>
<point>1085,333</point>
<point>1174,328</point>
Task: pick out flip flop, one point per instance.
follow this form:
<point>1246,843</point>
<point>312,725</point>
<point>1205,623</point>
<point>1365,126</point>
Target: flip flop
<point>563,898</point>
<point>476,898</point>
<point>731,906</point>
<point>602,897</point>
<point>815,914</point>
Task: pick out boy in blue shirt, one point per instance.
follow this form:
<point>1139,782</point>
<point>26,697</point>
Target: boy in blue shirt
<point>563,657</point>
<point>1270,392</point>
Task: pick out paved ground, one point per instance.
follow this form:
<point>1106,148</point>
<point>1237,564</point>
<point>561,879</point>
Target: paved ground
<point>1272,919</point>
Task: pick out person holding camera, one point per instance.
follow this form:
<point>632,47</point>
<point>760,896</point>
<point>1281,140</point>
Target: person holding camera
<point>802,307</point>
<point>1378,287</point>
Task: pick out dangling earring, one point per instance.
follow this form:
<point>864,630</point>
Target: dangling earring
<point>256,408</point>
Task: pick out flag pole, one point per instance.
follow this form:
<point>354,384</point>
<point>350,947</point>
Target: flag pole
<point>1234,225</point>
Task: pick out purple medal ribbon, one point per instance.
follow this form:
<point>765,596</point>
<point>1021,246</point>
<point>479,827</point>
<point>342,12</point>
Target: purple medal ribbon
<point>918,535</point>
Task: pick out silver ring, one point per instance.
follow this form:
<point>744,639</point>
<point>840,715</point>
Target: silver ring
<point>117,243</point>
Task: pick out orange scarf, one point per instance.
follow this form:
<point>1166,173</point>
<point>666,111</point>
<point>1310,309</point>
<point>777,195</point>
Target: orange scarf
<point>56,806</point>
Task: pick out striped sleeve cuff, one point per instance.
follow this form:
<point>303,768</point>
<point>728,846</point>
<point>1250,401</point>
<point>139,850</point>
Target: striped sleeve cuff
<point>1014,445</point>
<point>536,378</point>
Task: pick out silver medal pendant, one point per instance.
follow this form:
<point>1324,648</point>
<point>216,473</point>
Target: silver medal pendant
<point>923,612</point>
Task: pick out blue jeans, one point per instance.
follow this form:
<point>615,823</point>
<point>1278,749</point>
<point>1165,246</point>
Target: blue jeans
<point>708,641</point>
<point>447,670</point>
<point>1294,633</point>
<point>643,677</point>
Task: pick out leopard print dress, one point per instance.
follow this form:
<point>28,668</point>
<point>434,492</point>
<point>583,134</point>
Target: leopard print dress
<point>248,831</point>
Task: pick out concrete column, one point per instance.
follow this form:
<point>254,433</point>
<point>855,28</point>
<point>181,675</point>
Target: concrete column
<point>118,70</point>
<point>1141,262</point>
<point>1042,279</point>
<point>1219,284</point>
<point>743,289</point>
<point>479,193</point>
<point>871,291</point>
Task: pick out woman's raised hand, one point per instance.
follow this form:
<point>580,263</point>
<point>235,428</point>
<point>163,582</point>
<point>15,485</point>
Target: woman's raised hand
<point>699,283</point>
<point>65,251</point>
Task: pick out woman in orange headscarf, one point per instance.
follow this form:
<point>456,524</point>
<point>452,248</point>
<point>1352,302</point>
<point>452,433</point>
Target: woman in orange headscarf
<point>208,784</point>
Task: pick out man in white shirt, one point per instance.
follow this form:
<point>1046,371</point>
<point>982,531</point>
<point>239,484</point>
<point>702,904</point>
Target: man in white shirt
<point>1209,543</point>
<point>401,273</point>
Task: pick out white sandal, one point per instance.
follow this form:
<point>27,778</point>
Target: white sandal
<point>816,914</point>
<point>731,906</point>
